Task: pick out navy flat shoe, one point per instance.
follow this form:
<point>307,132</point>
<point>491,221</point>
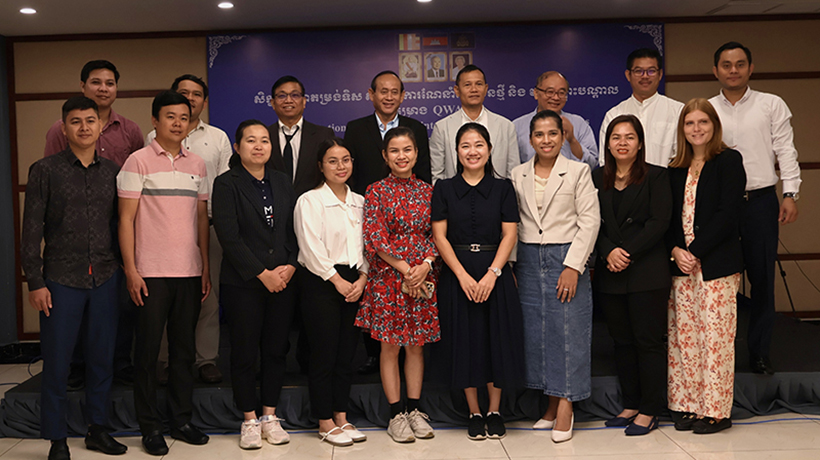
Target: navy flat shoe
<point>636,430</point>
<point>620,421</point>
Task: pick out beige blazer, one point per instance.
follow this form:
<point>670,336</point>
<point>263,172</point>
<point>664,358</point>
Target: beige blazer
<point>570,211</point>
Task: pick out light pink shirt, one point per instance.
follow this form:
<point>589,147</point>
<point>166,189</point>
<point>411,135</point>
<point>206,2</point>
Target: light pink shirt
<point>166,236</point>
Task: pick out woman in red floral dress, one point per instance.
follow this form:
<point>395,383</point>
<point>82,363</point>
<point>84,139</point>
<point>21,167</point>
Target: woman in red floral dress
<point>399,246</point>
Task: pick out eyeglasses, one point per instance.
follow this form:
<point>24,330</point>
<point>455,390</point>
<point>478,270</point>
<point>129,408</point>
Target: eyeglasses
<point>334,163</point>
<point>282,97</point>
<point>549,92</point>
<point>638,72</point>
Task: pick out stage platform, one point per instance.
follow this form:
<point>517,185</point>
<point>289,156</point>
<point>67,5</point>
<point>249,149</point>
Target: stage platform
<point>795,387</point>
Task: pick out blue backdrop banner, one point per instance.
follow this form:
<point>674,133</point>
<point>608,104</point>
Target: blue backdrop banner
<point>336,67</point>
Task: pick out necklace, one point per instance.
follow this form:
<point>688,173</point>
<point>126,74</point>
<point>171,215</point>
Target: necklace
<point>696,166</point>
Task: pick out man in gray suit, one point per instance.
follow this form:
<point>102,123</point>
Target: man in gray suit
<point>471,88</point>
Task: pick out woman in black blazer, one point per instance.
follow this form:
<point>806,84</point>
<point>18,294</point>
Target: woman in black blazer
<point>632,271</point>
<point>708,183</point>
<point>253,219</point>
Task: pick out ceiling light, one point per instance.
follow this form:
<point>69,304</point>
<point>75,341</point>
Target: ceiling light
<point>28,10</point>
<point>225,5</point>
<point>425,1</point>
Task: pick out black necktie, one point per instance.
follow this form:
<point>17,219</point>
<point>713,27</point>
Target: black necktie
<point>287,154</point>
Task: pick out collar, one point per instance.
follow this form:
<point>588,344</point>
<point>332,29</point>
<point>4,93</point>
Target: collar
<point>199,126</point>
<point>289,131</point>
<point>159,151</point>
<point>648,101</point>
<point>390,124</point>
<point>72,159</point>
<point>114,118</point>
<point>484,186</point>
<point>481,119</point>
<point>329,199</point>
<point>743,99</point>
<point>251,177</point>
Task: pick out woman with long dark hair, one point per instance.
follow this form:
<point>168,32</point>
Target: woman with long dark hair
<point>632,271</point>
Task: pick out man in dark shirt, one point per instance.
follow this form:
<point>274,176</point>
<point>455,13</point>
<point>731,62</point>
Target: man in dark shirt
<point>71,200</point>
<point>363,137</point>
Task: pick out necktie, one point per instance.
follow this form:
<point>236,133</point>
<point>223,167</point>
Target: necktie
<point>287,153</point>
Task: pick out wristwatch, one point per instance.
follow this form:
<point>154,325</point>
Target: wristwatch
<point>430,263</point>
<point>496,271</point>
<point>793,195</point>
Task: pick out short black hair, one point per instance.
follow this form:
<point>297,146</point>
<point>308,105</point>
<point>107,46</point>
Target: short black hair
<point>91,66</point>
<point>193,78</point>
<point>79,103</point>
<point>644,53</point>
<point>166,98</point>
<point>545,114</point>
<point>399,131</point>
<point>485,134</point>
<point>235,160</point>
<point>470,68</point>
<point>385,72</point>
<point>286,79</point>
<point>732,46</point>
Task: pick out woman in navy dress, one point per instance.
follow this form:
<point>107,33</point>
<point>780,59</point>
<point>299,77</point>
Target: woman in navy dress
<point>474,225</point>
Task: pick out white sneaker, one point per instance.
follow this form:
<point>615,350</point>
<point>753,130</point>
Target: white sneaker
<point>418,423</point>
<point>251,435</point>
<point>354,433</point>
<point>337,437</point>
<point>399,428</point>
<point>272,430</point>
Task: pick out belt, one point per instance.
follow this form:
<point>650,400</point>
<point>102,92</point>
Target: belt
<point>475,247</point>
<point>752,194</point>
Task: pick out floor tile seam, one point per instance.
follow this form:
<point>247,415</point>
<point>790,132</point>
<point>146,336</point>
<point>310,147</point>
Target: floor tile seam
<point>11,447</point>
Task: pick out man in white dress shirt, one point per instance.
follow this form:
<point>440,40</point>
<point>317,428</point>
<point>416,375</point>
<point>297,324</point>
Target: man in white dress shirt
<point>212,145</point>
<point>471,88</point>
<point>658,113</point>
<point>551,92</point>
<point>758,125</point>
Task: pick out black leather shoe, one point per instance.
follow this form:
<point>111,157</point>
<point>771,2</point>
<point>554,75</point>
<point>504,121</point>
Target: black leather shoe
<point>154,443</point>
<point>686,421</point>
<point>59,450</point>
<point>190,434</point>
<point>209,373</point>
<point>708,425</point>
<point>370,366</point>
<point>761,366</point>
<point>76,378</point>
<point>98,438</point>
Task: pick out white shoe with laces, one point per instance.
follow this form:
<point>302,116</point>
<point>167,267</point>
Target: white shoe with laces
<point>250,436</point>
<point>399,428</point>
<point>418,423</point>
<point>272,430</point>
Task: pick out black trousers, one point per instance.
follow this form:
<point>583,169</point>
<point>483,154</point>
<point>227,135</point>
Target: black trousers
<point>259,321</point>
<point>637,324</point>
<point>758,235</point>
<point>328,321</point>
<point>175,301</point>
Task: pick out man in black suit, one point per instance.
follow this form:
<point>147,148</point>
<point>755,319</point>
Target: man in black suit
<point>295,141</point>
<point>363,138</point>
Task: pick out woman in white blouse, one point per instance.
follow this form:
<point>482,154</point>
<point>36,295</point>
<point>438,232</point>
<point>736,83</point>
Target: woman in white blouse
<point>328,226</point>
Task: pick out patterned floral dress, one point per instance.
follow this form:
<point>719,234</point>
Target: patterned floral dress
<point>397,222</point>
<point>702,327</point>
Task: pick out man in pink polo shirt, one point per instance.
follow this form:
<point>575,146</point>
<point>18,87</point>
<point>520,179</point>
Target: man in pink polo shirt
<point>163,229</point>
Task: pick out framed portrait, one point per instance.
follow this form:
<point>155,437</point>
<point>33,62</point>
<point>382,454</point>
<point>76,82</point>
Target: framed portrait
<point>458,60</point>
<point>410,68</point>
<point>435,68</point>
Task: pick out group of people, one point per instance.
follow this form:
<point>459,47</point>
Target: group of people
<point>476,242</point>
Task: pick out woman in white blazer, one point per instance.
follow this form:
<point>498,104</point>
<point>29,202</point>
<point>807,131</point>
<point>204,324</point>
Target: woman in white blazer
<point>560,218</point>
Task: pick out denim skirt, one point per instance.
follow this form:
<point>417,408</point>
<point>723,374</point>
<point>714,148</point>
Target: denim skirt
<point>557,336</point>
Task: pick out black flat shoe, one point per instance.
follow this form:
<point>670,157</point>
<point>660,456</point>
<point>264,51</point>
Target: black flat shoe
<point>98,438</point>
<point>620,421</point>
<point>686,422</point>
<point>190,434</point>
<point>637,430</point>
<point>59,450</point>
<point>154,443</point>
<point>708,425</point>
<point>370,366</point>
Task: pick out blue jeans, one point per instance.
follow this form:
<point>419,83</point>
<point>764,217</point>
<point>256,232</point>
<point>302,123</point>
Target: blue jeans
<point>93,311</point>
<point>557,336</point>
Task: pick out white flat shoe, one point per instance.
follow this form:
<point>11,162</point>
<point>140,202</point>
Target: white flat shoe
<point>543,424</point>
<point>561,436</point>
<point>354,434</point>
<point>337,437</point>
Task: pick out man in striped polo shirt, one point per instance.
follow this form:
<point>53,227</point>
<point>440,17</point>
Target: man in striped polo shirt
<point>165,256</point>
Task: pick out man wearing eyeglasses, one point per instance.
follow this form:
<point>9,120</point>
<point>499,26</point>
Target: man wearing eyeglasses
<point>579,141</point>
<point>658,113</point>
<point>295,141</point>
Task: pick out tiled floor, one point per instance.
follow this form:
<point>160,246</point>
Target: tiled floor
<point>780,437</point>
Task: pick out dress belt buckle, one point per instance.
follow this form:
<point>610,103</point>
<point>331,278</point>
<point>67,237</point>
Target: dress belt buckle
<point>475,247</point>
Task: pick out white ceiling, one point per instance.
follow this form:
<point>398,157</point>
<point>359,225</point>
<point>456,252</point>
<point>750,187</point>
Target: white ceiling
<point>123,16</point>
